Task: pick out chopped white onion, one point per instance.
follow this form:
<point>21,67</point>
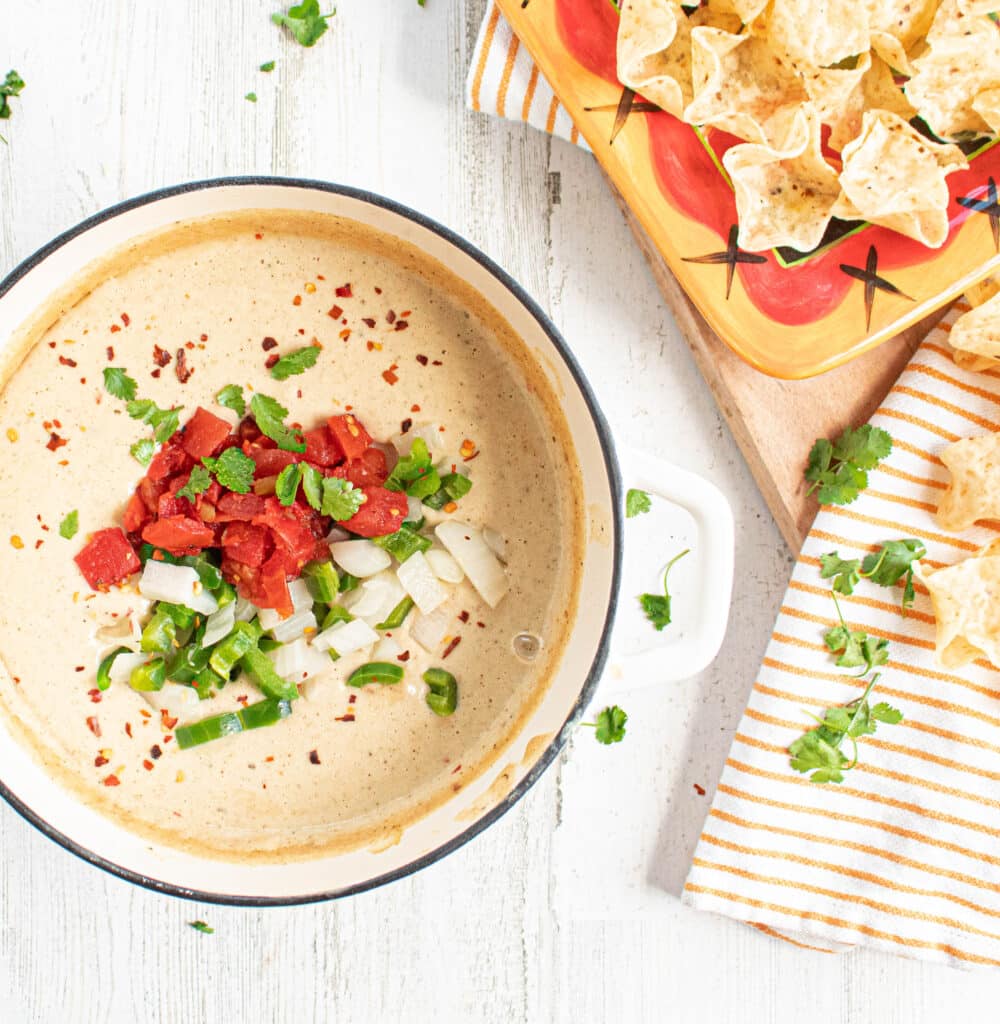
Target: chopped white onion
<point>219,624</point>
<point>245,610</point>
<point>294,626</point>
<point>181,702</point>
<point>177,584</point>
<point>473,554</point>
<point>346,637</point>
<point>414,509</point>
<point>375,598</point>
<point>444,566</point>
<point>301,595</point>
<point>421,584</point>
<point>360,558</point>
<point>387,649</point>
<point>337,533</point>
<point>299,660</point>
<point>496,542</point>
<point>430,630</point>
<point>124,665</point>
<point>429,432</point>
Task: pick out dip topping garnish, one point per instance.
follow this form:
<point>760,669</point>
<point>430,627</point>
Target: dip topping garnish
<point>295,362</point>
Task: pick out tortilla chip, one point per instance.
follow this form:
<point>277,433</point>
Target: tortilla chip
<point>974,490</point>
<point>966,600</point>
<point>837,95</point>
<point>975,336</point>
<point>742,86</point>
<point>897,26</point>
<point>895,177</point>
<point>962,61</point>
<point>783,197</point>
<point>987,104</point>
<point>977,6</point>
<point>818,33</point>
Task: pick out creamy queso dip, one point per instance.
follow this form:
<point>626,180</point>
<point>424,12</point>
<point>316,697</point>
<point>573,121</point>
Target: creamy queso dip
<point>215,289</point>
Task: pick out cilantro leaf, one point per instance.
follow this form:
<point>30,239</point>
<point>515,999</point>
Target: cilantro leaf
<point>341,499</point>
<point>69,526</point>
<point>312,485</point>
<point>198,482</point>
<point>838,471</point>
<point>892,562</point>
<point>251,97</point>
<point>857,648</point>
<point>295,362</point>
<point>636,502</point>
<point>142,451</point>
<point>304,21</point>
<point>287,484</point>
<point>267,66</point>
<point>200,926</point>
<point>141,408</point>
<point>270,416</point>
<point>10,86</point>
<point>414,473</point>
<point>163,421</point>
<point>883,712</point>
<point>231,397</point>
<point>844,573</point>
<point>118,384</point>
<point>233,470</point>
<point>610,725</point>
<point>657,606</point>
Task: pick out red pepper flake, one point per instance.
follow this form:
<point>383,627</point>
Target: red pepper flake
<point>405,656</point>
<point>405,426</point>
<point>128,729</point>
<point>423,360</point>
<point>189,345</point>
<point>148,765</point>
<point>161,356</point>
<point>65,462</point>
<point>52,344</point>
<point>271,360</point>
<point>181,367</point>
<point>368,321</point>
<point>111,780</point>
<point>353,697</point>
<point>297,301</point>
<point>203,337</point>
<point>335,312</point>
<point>55,442</point>
<point>126,319</point>
<point>145,713</point>
<point>345,718</point>
<point>156,373</point>
<point>378,291</point>
<point>436,362</point>
<point>155,752</point>
<point>83,380</point>
<point>115,328</point>
<point>344,292</point>
<point>165,720</point>
<point>110,352</point>
<point>463,616</point>
<point>314,757</point>
<point>167,739</point>
<point>268,343</point>
<point>93,725</point>
<point>345,333</point>
<point>700,790</point>
<point>95,696</point>
<point>390,376</point>
<point>390,317</point>
<point>244,700</point>
<point>481,625</point>
<point>414,408</point>
<point>270,757</point>
<point>258,236</point>
<point>66,361</point>
<point>401,325</point>
<point>100,761</point>
<point>80,668</point>
<point>456,769</point>
<point>58,424</point>
<point>455,641</point>
<point>39,543</point>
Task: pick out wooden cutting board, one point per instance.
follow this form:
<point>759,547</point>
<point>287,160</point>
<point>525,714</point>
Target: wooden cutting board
<point>776,421</point>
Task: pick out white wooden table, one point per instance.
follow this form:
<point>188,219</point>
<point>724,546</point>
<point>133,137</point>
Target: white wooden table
<point>566,910</point>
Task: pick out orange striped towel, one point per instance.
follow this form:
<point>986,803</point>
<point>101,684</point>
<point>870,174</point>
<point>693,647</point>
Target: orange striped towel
<point>504,80</point>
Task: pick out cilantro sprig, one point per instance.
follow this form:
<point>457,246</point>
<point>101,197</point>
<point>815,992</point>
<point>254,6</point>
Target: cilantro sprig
<point>331,496</point>
<point>200,926</point>
<point>295,362</point>
<point>231,397</point>
<point>886,567</point>
<point>610,725</point>
<point>636,503</point>
<point>119,384</point>
<point>304,21</point>
<point>12,85</point>
<point>163,421</point>
<point>198,482</point>
<point>414,473</point>
<point>838,470</point>
<point>270,415</point>
<point>855,647</point>
<point>657,606</point>
<point>341,499</point>
<point>232,469</point>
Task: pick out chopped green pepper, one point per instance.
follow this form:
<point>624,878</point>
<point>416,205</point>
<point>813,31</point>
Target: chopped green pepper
<point>443,696</point>
<point>337,613</point>
<point>206,682</point>
<point>104,669</point>
<point>396,617</point>
<point>349,583</point>
<point>454,486</point>
<point>149,677</point>
<point>259,667</point>
<point>254,716</point>
<point>230,649</point>
<point>403,543</point>
<point>268,643</point>
<point>160,634</point>
<point>225,594</point>
<point>376,672</point>
<point>185,665</point>
<point>322,580</point>
<point>183,617</point>
<point>424,485</point>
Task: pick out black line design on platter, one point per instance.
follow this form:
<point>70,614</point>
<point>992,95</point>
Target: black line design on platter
<point>730,257</point>
<point>868,275</point>
<point>988,204</point>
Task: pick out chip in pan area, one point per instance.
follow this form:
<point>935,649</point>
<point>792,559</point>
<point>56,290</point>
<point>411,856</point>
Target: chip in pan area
<point>818,33</point>
<point>974,489</point>
<point>895,177</point>
<point>897,27</point>
<point>966,600</point>
<point>783,196</point>
<point>975,336</point>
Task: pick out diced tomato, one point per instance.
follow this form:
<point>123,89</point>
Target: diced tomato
<point>238,506</point>
<point>246,543</point>
<point>271,461</point>
<point>294,541</point>
<point>270,589</point>
<point>136,514</point>
<point>243,577</point>
<point>213,493</point>
<point>383,512</point>
<point>322,448</point>
<point>369,470</point>
<point>204,434</point>
<point>178,535</point>
<point>168,461</point>
<point>248,430</point>
<point>107,558</point>
<point>350,434</point>
<point>149,491</point>
<point>169,505</point>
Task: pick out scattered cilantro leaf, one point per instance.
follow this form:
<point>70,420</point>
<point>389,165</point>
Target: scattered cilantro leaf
<point>610,725</point>
<point>287,484</point>
<point>892,562</point>
<point>855,647</point>
<point>163,421</point>
<point>231,397</point>
<point>141,408</point>
<point>69,526</point>
<point>304,21</point>
<point>414,473</point>
<point>142,451</point>
<point>198,482</point>
<point>267,67</point>
<point>12,85</point>
<point>819,750</point>
<point>844,573</point>
<point>341,499</point>
<point>838,470</point>
<point>270,417</point>
<point>251,96</point>
<point>312,485</point>
<point>118,384</point>
<point>295,362</point>
<point>200,926</point>
<point>233,470</point>
<point>636,502</point>
<point>657,606</point>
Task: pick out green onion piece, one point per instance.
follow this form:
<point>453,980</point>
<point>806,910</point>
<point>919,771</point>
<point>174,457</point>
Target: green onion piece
<point>160,634</point>
<point>424,485</point>
<point>206,682</point>
<point>254,716</point>
<point>268,643</point>
<point>376,672</point>
<point>228,651</point>
<point>337,613</point>
<point>443,696</point>
<point>149,677</point>
<point>396,617</point>
<point>104,669</point>
<point>183,617</point>
<point>185,665</point>
<point>322,580</point>
<point>403,543</point>
<point>259,667</point>
<point>349,583</point>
